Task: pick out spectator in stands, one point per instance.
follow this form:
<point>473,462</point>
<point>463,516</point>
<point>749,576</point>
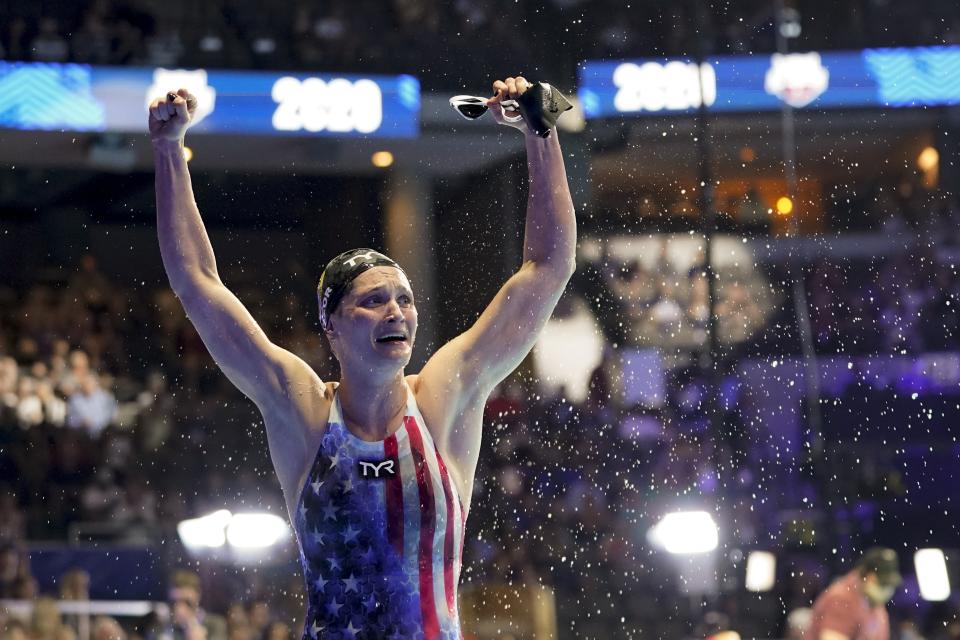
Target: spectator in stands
<point>13,522</point>
<point>106,628</point>
<point>237,622</point>
<point>16,39</point>
<point>137,504</point>
<point>739,313</point>
<point>91,408</point>
<point>99,498</point>
<point>53,407</point>
<point>14,630</point>
<point>91,43</point>
<point>14,570</point>
<point>258,617</point>
<point>854,607</point>
<point>49,45</point>
<point>78,369</point>
<point>188,620</point>
<point>75,585</point>
<point>46,623</point>
<point>278,631</point>
<point>29,407</point>
<point>9,379</point>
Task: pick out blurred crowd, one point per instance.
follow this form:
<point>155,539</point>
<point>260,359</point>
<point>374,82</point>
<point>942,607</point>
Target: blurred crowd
<point>664,305</point>
<point>906,304</point>
<point>115,425</point>
<point>180,616</point>
<point>464,38</point>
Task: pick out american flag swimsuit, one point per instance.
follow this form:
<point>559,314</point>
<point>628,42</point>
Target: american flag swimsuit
<point>380,530</point>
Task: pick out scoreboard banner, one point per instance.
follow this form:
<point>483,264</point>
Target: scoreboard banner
<point>914,77</point>
<point>78,97</point>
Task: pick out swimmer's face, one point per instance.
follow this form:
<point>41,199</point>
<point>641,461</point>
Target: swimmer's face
<point>377,318</point>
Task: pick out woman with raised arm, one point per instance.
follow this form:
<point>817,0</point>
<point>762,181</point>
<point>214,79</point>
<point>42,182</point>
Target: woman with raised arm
<point>376,469</point>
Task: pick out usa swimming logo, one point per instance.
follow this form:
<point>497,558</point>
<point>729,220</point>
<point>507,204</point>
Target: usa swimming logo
<point>797,78</point>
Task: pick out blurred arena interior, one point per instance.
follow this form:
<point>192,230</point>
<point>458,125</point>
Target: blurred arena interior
<point>763,328</point>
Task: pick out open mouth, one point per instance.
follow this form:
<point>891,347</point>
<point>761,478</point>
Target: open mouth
<point>393,337</point>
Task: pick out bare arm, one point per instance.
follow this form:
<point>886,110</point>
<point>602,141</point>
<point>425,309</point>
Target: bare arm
<point>263,371</point>
<point>458,378</point>
<point>508,328</point>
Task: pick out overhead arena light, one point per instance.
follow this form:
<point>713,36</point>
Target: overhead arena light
<point>242,531</point>
<point>207,532</point>
<point>761,571</point>
<point>256,530</point>
<point>685,532</point>
<point>931,567</point>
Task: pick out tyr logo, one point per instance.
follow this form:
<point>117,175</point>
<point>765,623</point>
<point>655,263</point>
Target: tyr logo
<point>360,257</point>
<point>379,469</point>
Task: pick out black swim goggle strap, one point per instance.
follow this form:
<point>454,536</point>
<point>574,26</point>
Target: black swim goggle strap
<point>540,106</point>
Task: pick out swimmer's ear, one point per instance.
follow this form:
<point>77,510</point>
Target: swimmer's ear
<point>327,330</point>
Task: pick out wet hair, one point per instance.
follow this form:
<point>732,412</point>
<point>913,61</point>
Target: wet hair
<point>340,272</point>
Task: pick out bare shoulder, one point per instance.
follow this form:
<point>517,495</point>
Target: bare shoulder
<point>435,403</point>
<point>294,432</point>
<point>308,409</point>
<point>454,426</point>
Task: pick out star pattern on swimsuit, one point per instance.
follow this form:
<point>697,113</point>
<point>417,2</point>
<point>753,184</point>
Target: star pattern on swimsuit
<point>351,583</point>
<point>350,534</point>
<point>334,563</point>
<point>333,607</point>
<point>369,556</point>
<point>320,583</point>
<point>357,586</point>
<point>330,513</point>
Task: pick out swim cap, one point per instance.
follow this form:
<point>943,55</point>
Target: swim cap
<point>340,272</point>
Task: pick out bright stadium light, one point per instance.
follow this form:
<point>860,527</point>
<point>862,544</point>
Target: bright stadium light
<point>205,532</point>
<point>928,159</point>
<point>931,567</point>
<point>382,159</point>
<point>784,206</point>
<point>685,532</point>
<point>761,571</point>
<point>256,530</point>
<point>241,532</point>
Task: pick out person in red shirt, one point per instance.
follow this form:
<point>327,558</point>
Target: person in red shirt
<point>854,606</point>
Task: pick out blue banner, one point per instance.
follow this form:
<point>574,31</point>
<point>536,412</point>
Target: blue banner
<point>78,97</point>
<point>928,76</point>
<point>133,573</point>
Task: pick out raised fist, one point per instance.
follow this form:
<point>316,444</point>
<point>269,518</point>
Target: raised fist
<point>503,104</point>
<point>171,115</point>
